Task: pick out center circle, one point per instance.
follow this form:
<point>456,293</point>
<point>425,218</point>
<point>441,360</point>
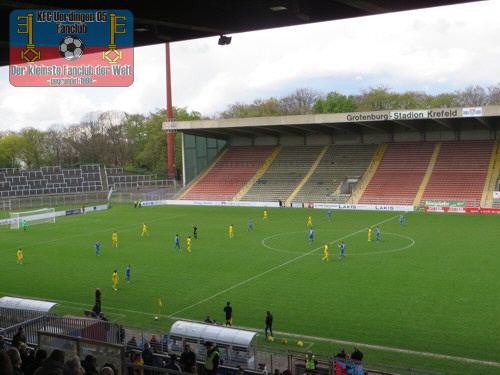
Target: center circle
<point>355,240</point>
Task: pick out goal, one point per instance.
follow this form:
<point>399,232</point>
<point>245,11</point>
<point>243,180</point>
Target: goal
<point>45,215</point>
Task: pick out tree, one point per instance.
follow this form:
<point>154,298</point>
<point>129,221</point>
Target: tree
<point>471,96</point>
<point>11,147</point>
<point>376,99</point>
<point>494,95</point>
<point>334,102</point>
<point>299,102</point>
<point>441,101</point>
<point>34,152</point>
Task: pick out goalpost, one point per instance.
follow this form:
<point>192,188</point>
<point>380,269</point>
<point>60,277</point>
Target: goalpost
<point>45,215</point>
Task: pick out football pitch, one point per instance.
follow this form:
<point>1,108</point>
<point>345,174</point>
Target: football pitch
<point>430,286</point>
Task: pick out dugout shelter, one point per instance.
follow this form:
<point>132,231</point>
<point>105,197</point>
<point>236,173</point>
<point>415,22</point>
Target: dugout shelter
<point>233,344</point>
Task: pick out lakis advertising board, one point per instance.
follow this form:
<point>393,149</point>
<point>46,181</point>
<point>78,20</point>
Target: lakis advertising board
<point>71,48</point>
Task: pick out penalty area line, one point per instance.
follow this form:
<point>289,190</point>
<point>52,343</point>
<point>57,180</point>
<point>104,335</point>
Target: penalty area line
<point>274,269</point>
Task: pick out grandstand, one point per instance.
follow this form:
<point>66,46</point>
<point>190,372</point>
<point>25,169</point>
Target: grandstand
<point>333,159</point>
<point>460,172</point>
<point>399,174</point>
<point>229,174</point>
<point>55,180</point>
<point>15,182</point>
<point>339,165</point>
<point>284,174</point>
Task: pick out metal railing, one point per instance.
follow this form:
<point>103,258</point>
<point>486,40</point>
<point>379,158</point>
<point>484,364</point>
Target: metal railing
<point>54,200</point>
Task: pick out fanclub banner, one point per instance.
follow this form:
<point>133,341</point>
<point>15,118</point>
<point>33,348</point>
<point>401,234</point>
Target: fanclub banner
<point>61,48</point>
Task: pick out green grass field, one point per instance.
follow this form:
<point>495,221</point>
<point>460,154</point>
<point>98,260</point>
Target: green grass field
<point>429,286</point>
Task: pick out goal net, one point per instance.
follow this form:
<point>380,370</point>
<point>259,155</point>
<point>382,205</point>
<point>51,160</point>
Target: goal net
<point>45,215</point>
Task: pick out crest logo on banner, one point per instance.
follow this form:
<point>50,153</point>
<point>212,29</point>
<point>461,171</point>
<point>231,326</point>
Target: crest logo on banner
<point>71,48</point>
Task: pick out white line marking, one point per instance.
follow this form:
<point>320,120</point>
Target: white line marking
<point>338,230</point>
<point>396,350</point>
<point>273,269</point>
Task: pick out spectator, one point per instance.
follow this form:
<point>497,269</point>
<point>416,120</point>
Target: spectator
<point>73,367</point>
<point>40,356</point>
<point>357,355</point>
<point>188,360</point>
<point>138,360</point>
<point>155,344</point>
<point>89,364</point>
<point>310,362</point>
<point>132,343</point>
<point>173,364</point>
<point>27,355</point>
<point>213,359</point>
<point>5,364</point>
<point>287,372</point>
<point>107,371</point>
<point>52,365</point>
<point>277,372</point>
<point>19,337</point>
<point>3,344</point>
<point>241,370</point>
<point>15,360</point>
<point>147,355</point>
<point>157,360</point>
<point>341,354</point>
<point>111,366</point>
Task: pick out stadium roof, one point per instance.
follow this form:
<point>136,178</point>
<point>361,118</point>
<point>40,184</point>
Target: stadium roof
<point>387,121</point>
<point>160,21</point>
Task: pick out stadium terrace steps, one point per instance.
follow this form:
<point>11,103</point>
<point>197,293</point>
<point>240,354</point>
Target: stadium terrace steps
<point>117,177</point>
<point>460,172</point>
<point>427,175</point>
<point>229,174</point>
<point>399,174</point>
<point>339,163</point>
<point>259,174</point>
<point>367,177</point>
<point>308,175</point>
<point>202,175</point>
<point>284,174</point>
<point>493,173</point>
<point>15,182</point>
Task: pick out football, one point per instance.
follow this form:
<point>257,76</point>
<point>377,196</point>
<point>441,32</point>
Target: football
<point>71,48</point>
<point>300,344</point>
<point>156,317</point>
<point>270,338</point>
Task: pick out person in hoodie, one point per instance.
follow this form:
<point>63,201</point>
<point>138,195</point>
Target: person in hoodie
<point>52,365</point>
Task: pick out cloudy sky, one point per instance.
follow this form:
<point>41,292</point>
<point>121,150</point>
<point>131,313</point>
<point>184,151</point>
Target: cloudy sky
<point>434,50</point>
